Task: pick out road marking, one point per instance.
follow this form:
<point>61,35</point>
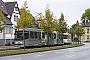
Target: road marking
<point>84,53</point>
<point>40,55</point>
<point>70,56</point>
<point>72,52</point>
<point>58,52</point>
<point>13,59</point>
<point>16,59</point>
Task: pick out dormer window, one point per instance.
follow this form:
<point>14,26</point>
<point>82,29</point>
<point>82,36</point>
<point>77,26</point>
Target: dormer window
<point>15,18</point>
<point>16,9</point>
<point>8,16</point>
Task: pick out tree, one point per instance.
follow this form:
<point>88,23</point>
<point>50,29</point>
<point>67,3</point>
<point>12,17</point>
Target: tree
<point>25,17</point>
<point>38,21</point>
<point>78,31</point>
<point>47,23</point>
<point>62,28</point>
<point>85,16</point>
<point>55,23</point>
<point>72,31</point>
<point>1,21</point>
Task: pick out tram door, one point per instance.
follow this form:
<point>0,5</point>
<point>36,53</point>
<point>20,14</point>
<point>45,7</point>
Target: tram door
<point>39,38</point>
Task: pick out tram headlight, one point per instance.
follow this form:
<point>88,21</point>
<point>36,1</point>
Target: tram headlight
<point>19,42</point>
<point>16,42</point>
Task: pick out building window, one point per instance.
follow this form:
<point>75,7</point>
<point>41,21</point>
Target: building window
<point>16,9</point>
<point>8,30</point>
<point>87,30</point>
<point>87,37</point>
<point>15,18</point>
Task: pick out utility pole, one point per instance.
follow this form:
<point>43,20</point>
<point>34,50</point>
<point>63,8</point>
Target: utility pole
<point>68,33</point>
<point>23,39</point>
<point>73,35</point>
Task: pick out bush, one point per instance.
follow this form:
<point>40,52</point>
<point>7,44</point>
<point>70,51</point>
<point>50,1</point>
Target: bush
<point>8,44</point>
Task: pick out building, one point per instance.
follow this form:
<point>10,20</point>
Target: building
<point>11,13</point>
<point>86,37</point>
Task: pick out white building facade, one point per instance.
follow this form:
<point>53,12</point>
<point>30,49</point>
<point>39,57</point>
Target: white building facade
<point>86,36</point>
<point>11,13</point>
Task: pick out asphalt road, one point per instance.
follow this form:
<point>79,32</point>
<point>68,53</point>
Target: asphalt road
<point>77,53</point>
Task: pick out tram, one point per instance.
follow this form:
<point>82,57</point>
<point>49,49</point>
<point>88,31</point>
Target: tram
<point>37,37</point>
<point>27,37</point>
<point>67,38</point>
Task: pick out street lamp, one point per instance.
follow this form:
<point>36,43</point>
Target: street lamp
<point>23,39</point>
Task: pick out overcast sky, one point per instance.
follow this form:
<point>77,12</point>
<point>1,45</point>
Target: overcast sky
<point>72,9</point>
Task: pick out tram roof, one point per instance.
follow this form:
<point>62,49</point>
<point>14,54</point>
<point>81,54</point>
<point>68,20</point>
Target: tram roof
<point>29,29</point>
<point>32,29</point>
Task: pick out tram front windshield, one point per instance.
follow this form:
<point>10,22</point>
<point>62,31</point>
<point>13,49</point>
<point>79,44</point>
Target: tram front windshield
<point>19,35</point>
<point>65,37</point>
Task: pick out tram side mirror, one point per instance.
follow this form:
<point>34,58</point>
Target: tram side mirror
<point>14,33</point>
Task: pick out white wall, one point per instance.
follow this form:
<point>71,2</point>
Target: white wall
<point>1,35</point>
<point>16,13</point>
<point>84,36</point>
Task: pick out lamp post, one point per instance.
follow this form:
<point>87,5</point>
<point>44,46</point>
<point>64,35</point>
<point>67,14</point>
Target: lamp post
<point>73,35</point>
<point>68,33</point>
<point>23,39</point>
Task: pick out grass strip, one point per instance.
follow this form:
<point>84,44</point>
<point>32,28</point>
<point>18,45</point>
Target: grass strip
<point>9,49</point>
<point>17,51</point>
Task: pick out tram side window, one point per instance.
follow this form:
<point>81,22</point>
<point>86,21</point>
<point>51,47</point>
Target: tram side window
<point>43,35</point>
<point>59,36</point>
<point>33,34</point>
<point>54,36</point>
<point>36,34</point>
<point>26,35</point>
